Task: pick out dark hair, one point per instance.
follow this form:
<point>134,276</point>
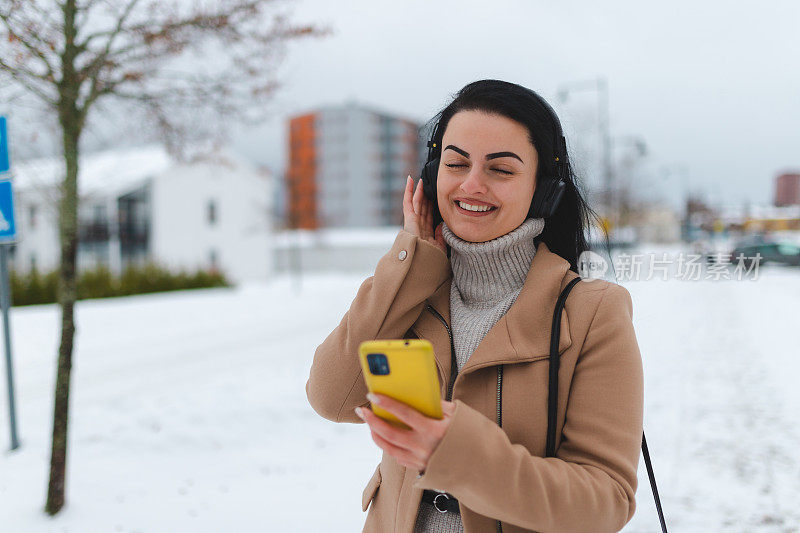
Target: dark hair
<point>564,231</point>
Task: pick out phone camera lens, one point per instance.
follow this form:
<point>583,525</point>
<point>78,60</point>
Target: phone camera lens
<point>378,364</point>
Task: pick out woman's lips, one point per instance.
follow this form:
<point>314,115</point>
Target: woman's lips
<point>474,213</point>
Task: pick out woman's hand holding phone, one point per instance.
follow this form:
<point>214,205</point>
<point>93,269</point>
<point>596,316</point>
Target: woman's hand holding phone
<point>411,447</point>
<point>418,215</point>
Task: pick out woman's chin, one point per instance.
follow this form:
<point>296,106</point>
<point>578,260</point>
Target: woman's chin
<point>470,233</point>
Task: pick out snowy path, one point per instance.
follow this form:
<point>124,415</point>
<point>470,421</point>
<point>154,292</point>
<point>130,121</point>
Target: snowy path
<point>721,370</point>
<point>189,411</point>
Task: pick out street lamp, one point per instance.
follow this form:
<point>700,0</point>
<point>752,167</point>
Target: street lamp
<point>600,86</point>
<point>622,190</point>
<point>638,143</point>
<point>680,170</point>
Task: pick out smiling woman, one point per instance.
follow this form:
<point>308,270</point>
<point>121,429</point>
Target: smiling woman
<point>491,237</point>
<point>502,143</point>
<point>484,193</point>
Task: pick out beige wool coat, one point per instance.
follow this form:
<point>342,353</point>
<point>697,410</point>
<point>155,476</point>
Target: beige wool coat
<point>500,473</point>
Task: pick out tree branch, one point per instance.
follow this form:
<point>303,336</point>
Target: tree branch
<point>93,69</point>
<point>28,80</point>
<point>25,37</point>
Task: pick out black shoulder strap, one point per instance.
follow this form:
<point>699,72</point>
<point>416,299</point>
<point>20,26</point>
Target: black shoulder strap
<point>555,363</point>
<point>552,398</point>
<point>653,486</point>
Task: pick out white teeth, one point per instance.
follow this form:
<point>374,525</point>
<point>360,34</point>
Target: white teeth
<point>469,207</point>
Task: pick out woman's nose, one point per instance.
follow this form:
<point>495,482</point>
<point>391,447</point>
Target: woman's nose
<point>474,182</point>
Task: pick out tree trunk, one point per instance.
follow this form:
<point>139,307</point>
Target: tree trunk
<point>71,121</point>
<point>67,294</point>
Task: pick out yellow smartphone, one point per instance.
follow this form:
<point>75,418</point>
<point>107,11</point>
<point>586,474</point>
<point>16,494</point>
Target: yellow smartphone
<point>404,369</point>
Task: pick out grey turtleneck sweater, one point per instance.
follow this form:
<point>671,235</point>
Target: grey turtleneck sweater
<point>487,278</point>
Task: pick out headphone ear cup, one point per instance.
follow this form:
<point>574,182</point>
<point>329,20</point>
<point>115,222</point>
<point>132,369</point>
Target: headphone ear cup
<point>546,198</point>
<point>429,174</point>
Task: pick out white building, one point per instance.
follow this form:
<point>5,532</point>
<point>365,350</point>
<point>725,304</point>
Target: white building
<point>332,249</point>
<point>141,205</point>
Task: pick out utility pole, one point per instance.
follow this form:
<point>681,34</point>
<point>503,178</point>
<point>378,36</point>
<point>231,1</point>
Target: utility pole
<point>604,119</point>
<point>600,86</point>
<point>622,175</point>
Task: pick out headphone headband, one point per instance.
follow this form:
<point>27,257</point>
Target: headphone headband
<point>548,190</point>
<point>560,143</point>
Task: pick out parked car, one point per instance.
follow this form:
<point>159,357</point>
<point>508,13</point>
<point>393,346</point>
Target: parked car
<point>712,250</point>
<point>770,252</point>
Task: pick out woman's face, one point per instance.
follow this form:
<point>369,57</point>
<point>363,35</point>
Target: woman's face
<point>487,160</point>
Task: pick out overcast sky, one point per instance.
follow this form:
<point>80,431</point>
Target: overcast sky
<point>713,86</point>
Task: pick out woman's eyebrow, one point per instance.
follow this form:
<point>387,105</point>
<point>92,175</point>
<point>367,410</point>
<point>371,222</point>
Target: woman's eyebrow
<point>457,149</point>
<point>488,156</point>
<point>503,154</point>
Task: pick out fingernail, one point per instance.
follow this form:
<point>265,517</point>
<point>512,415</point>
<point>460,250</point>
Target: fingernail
<point>371,397</point>
<point>359,413</point>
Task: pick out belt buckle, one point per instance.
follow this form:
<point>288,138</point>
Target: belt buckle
<point>436,502</point>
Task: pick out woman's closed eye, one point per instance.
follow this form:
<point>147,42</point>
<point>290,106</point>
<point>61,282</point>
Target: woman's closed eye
<point>452,165</point>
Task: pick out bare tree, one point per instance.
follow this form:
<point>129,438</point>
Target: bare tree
<point>175,60</point>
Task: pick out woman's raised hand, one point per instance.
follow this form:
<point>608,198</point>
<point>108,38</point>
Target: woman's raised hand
<point>418,215</point>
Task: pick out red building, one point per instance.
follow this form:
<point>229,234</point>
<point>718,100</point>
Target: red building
<point>787,189</point>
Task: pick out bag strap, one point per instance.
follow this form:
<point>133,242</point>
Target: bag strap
<point>555,363</point>
<point>552,399</point>
<point>652,477</point>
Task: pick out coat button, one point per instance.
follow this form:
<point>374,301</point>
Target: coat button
<point>402,255</point>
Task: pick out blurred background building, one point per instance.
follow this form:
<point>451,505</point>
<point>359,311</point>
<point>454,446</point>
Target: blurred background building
<point>787,189</point>
<point>749,218</point>
<point>212,212</point>
<point>347,166</point>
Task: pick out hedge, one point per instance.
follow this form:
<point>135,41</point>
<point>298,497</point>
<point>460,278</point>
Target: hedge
<point>35,288</point>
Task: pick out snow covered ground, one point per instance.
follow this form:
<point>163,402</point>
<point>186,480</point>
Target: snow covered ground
<point>189,411</point>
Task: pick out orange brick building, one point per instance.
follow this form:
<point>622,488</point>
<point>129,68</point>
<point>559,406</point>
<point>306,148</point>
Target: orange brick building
<point>348,166</point>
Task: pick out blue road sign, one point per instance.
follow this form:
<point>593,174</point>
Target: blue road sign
<point>8,230</point>
<point>4,161</point>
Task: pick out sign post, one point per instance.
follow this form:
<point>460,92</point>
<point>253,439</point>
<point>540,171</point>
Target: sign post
<point>8,235</point>
<point>5,162</point>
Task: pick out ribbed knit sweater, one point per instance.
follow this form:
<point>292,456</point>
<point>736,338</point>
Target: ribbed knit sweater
<point>487,278</point>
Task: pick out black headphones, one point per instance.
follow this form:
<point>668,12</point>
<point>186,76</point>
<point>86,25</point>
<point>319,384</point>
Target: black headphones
<point>549,189</point>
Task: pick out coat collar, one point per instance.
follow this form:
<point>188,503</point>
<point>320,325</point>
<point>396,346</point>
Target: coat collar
<point>523,333</point>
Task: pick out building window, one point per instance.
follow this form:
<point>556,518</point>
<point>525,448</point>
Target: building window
<point>33,262</point>
<point>32,215</point>
<point>212,257</point>
<point>99,214</point>
<point>212,212</point>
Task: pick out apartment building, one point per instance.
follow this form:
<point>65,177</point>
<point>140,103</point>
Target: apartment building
<point>347,167</point>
